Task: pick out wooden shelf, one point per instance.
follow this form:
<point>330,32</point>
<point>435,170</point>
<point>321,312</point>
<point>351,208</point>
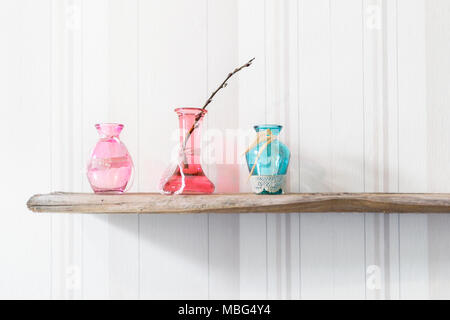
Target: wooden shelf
<point>240,203</point>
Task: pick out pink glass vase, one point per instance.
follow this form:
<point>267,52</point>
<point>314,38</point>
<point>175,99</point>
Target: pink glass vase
<point>110,168</point>
<point>188,176</point>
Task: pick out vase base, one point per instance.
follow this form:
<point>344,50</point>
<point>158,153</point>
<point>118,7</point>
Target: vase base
<point>188,185</point>
<point>268,184</point>
<point>199,184</point>
<point>266,192</point>
<point>108,191</point>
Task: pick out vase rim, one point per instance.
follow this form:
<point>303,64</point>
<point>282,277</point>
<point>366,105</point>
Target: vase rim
<point>187,109</point>
<point>109,124</point>
<point>268,126</point>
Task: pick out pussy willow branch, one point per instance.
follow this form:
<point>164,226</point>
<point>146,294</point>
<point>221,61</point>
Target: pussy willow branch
<point>199,116</point>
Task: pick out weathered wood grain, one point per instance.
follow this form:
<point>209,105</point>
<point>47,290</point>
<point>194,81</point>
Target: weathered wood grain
<point>240,203</point>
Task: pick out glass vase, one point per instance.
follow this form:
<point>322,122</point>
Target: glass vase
<point>110,167</point>
<point>268,161</point>
<point>187,176</point>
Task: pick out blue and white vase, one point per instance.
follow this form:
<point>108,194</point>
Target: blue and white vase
<point>268,161</point>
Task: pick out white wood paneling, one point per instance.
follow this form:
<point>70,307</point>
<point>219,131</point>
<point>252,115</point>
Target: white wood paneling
<point>315,96</point>
<point>172,73</point>
<point>380,143</point>
<point>412,146</point>
<point>123,108</point>
<point>347,95</point>
<point>283,245</point>
<point>335,242</point>
<point>315,146</point>
<point>25,249</point>
<point>391,156</point>
<point>96,93</point>
<point>438,151</point>
<point>347,142</point>
<point>67,145</point>
<point>221,148</point>
<point>252,84</point>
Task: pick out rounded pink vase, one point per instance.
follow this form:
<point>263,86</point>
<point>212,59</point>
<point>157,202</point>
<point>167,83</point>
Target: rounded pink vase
<point>110,167</point>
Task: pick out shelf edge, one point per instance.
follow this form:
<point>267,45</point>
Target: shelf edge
<point>137,203</point>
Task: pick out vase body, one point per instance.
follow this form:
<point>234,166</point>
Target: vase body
<point>110,167</point>
<point>268,161</point>
<point>188,176</point>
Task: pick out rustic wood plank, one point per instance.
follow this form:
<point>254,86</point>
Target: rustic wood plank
<point>241,203</point>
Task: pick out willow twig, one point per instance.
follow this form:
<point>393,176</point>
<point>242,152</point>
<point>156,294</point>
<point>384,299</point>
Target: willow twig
<point>199,116</point>
<point>224,83</point>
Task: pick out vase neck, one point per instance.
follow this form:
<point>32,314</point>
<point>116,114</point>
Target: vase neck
<point>191,140</point>
<point>109,130</point>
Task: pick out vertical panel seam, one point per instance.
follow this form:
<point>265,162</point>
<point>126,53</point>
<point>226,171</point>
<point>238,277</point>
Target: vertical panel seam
<point>265,117</point>
<point>330,60</point>
<point>207,127</point>
<point>398,149</point>
<point>386,144</point>
<point>69,97</point>
<point>51,135</point>
<point>265,59</point>
<point>81,125</point>
<point>299,150</point>
<point>364,140</point>
<point>330,42</point>
<point>109,117</point>
<point>138,140</point>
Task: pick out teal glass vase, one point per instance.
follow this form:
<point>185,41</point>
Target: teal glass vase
<point>268,160</point>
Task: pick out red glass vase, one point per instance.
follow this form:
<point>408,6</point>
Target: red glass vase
<point>188,176</point>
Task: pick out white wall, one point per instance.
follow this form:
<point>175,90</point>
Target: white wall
<point>361,87</point>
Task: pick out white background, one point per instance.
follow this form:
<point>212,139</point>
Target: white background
<point>361,87</point>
